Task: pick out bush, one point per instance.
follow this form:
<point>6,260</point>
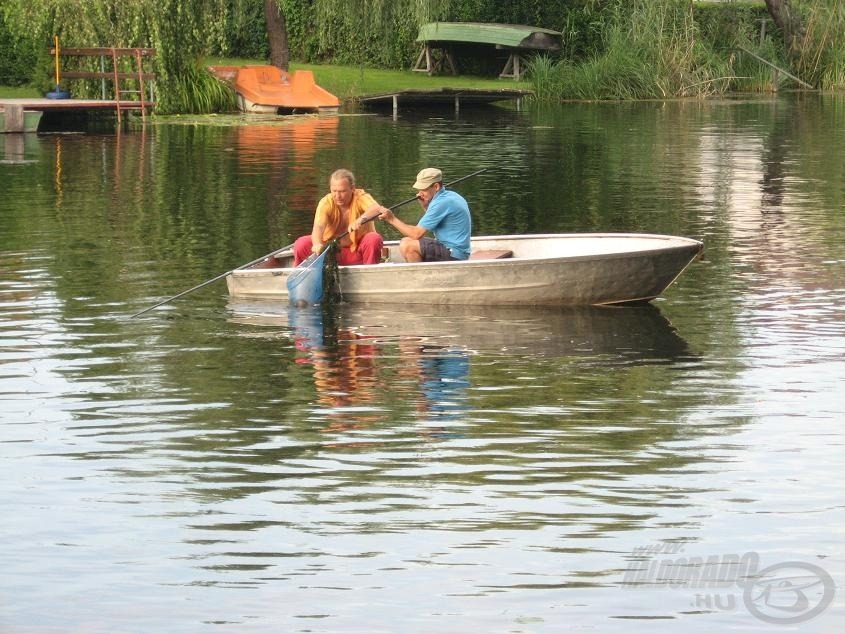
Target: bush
<point>18,54</point>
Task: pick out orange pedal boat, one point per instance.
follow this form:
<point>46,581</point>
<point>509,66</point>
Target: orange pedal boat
<point>268,89</point>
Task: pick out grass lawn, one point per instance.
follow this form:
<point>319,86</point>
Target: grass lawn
<point>18,92</point>
<point>348,82</point>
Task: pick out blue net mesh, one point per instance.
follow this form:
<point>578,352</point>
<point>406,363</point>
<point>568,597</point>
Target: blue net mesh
<point>317,280</point>
<point>306,283</point>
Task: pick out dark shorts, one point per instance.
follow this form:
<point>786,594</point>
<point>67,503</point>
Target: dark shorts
<point>434,251</point>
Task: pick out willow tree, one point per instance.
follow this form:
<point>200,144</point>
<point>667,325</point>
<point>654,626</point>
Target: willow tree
<point>379,13</point>
<point>181,32</point>
<point>369,28</point>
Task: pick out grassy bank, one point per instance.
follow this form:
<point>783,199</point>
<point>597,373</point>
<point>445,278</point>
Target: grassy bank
<point>348,82</point>
<point>17,92</point>
<point>674,49</point>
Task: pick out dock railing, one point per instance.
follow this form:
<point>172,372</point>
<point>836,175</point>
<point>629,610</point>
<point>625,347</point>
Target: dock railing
<point>143,93</point>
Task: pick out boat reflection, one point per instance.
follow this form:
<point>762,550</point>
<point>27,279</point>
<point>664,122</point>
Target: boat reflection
<point>632,332</point>
<point>372,363</point>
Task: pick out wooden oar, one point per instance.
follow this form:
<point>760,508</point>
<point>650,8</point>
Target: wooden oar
<point>214,279</point>
<point>314,262</point>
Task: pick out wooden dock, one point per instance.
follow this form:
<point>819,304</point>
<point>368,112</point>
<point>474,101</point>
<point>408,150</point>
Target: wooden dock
<point>445,96</point>
<point>22,115</point>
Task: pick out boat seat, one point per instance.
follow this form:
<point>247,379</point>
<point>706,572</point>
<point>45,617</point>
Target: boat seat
<point>491,254</point>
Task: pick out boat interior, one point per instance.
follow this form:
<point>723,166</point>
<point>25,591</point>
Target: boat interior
<point>540,246</point>
<point>389,253</point>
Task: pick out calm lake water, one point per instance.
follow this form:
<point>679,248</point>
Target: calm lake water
<point>231,466</point>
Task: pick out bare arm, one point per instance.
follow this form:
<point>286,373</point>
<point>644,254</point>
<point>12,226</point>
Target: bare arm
<point>410,231</point>
<point>317,237</point>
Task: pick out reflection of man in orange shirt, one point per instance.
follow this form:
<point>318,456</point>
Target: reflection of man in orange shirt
<point>344,365</point>
<point>336,212</point>
<point>345,375</point>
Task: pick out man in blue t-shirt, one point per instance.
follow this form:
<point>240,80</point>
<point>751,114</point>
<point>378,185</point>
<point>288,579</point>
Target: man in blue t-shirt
<point>446,216</point>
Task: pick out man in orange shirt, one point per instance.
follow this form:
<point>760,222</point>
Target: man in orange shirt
<point>336,212</point>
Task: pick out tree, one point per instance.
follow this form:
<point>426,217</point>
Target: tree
<point>277,34</point>
<point>788,20</point>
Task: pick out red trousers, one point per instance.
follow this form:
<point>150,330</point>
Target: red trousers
<point>368,251</point>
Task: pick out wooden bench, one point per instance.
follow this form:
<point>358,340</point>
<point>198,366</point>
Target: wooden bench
<point>484,254</point>
<point>491,254</point>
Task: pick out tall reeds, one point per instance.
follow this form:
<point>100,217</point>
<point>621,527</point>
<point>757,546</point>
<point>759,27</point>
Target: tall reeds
<point>652,49</point>
<point>822,59</point>
<point>197,91</point>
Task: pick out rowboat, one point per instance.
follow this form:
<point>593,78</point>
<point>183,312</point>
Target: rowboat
<point>518,270</point>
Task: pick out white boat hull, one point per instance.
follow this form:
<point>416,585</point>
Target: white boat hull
<point>552,270</point>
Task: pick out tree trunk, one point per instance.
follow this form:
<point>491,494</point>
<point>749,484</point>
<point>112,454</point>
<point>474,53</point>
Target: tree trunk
<point>277,34</point>
<point>788,21</point>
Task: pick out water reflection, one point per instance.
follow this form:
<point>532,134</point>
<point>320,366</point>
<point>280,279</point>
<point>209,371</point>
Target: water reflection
<point>495,389</point>
<point>14,149</point>
<point>437,367</point>
<point>344,366</point>
<point>633,332</point>
<point>294,181</point>
<point>345,361</point>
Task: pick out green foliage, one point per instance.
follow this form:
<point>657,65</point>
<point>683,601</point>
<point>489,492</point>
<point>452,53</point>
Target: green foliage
<point>750,75</point>
<point>653,49</point>
<point>245,31</point>
<point>376,33</point>
<point>581,30</point>
<point>181,31</point>
<point>723,24</point>
<point>197,91</point>
<point>822,58</point>
<point>19,53</point>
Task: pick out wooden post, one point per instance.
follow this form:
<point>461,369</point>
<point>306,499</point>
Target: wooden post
<point>447,55</point>
<point>777,69</point>
<point>511,68</point>
<point>14,148</point>
<point>14,118</point>
<point>418,67</point>
<point>103,78</point>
